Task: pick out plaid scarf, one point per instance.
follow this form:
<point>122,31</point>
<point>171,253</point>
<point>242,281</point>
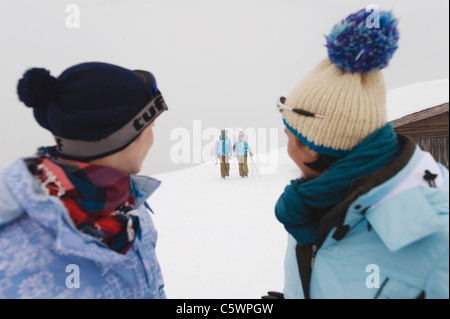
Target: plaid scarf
<point>99,199</point>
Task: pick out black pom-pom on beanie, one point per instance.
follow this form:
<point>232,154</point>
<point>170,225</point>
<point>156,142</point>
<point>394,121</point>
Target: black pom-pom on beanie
<point>37,88</point>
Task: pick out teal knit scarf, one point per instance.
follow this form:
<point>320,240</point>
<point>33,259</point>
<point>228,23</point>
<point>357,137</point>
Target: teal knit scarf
<point>296,207</point>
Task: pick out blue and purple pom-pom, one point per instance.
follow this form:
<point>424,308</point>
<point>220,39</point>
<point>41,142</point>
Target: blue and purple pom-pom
<point>357,45</point>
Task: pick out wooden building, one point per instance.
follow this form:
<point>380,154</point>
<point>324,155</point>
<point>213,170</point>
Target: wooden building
<point>429,128</point>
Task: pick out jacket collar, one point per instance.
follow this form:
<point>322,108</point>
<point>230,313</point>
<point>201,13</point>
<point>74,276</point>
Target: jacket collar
<point>49,211</point>
<point>336,216</point>
<point>144,187</point>
<point>397,201</point>
<point>407,209</point>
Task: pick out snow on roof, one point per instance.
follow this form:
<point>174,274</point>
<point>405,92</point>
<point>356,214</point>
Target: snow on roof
<point>416,97</point>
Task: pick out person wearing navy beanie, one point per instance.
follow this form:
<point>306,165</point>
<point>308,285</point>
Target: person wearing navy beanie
<point>89,102</point>
<point>76,210</point>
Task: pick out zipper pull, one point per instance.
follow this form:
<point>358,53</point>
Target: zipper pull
<point>430,177</point>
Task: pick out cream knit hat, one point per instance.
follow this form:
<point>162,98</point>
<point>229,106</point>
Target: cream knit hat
<point>347,90</point>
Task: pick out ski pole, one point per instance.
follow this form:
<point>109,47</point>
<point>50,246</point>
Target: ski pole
<point>256,168</point>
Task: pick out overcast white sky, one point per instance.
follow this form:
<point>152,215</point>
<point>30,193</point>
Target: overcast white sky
<point>222,62</point>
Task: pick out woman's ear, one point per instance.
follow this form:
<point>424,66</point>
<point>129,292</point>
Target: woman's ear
<point>310,154</point>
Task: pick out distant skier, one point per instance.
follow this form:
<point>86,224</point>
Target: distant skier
<point>223,153</point>
<point>241,148</point>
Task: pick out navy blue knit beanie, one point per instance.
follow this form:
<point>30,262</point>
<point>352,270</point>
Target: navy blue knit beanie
<point>88,103</point>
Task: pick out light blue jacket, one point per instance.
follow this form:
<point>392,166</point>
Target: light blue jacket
<point>38,241</point>
<point>242,148</point>
<point>220,147</point>
<point>404,253</point>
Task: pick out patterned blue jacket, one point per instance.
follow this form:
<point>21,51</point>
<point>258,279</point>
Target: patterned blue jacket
<point>43,255</point>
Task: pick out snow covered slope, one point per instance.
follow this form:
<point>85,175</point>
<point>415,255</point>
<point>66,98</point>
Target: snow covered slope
<point>220,238</point>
